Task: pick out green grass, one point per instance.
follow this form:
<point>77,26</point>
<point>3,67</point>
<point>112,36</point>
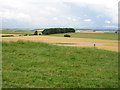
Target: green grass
<point>109,36</point>
<point>33,65</point>
<point>16,32</point>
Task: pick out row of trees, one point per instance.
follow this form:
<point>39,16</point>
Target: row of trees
<point>57,30</point>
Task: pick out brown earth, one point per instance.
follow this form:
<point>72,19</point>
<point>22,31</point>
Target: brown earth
<point>111,45</point>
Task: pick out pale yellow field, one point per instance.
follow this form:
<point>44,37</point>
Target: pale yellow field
<point>111,45</point>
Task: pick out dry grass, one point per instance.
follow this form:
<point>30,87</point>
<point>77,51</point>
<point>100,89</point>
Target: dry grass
<point>111,45</point>
<point>9,35</point>
<point>95,32</point>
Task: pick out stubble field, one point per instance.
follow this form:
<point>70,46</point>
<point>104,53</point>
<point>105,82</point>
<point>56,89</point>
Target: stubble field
<point>111,45</point>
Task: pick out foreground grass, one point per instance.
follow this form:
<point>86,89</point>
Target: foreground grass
<point>32,64</point>
<point>109,36</point>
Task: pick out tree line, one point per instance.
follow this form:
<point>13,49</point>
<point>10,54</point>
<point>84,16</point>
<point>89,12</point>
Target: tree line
<point>57,30</point>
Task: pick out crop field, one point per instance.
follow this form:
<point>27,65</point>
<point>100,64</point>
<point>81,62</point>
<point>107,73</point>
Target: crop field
<point>39,65</point>
<point>16,32</point>
<point>108,36</point>
<point>111,45</point>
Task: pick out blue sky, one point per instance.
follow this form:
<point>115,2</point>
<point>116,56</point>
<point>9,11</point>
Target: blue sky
<point>59,13</point>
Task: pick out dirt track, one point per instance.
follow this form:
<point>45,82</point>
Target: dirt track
<point>111,45</point>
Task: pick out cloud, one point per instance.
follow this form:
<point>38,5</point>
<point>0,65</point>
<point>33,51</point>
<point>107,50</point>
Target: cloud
<point>64,13</point>
<point>55,18</point>
<point>99,16</point>
<point>87,20</point>
<point>74,20</point>
<point>16,16</point>
<point>69,18</point>
<point>107,21</point>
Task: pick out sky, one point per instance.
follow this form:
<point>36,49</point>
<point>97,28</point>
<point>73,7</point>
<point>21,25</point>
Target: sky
<point>92,14</point>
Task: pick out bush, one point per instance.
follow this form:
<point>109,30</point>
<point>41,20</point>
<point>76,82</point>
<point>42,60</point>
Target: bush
<point>57,30</point>
<point>31,34</point>
<point>25,34</point>
<point>7,35</point>
<point>66,35</point>
<point>36,33</point>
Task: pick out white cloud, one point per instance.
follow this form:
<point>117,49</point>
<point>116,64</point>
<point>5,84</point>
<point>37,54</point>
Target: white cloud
<point>74,20</point>
<point>43,12</point>
<point>15,16</point>
<point>51,9</point>
<point>69,18</point>
<point>109,8</point>
<point>55,18</point>
<point>87,20</point>
<point>107,21</point>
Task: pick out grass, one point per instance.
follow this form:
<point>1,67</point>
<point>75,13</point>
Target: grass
<point>108,36</point>
<point>16,32</point>
<point>40,65</point>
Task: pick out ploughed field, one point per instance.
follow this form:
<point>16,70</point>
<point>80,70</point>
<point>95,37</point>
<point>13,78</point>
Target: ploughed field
<point>40,65</point>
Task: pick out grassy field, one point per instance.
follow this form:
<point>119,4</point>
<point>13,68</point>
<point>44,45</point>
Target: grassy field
<point>16,32</point>
<point>34,64</point>
<point>109,36</point>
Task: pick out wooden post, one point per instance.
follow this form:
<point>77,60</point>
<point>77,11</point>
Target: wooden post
<point>94,45</point>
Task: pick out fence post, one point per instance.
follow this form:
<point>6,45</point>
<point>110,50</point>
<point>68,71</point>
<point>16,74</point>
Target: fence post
<point>94,45</point>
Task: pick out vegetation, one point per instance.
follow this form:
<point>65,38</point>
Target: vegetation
<point>7,35</point>
<point>36,33</point>
<point>16,32</point>
<point>57,30</point>
<point>109,36</point>
<point>66,35</point>
<point>33,65</point>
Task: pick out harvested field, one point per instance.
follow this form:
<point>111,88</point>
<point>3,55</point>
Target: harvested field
<point>106,36</point>
<point>111,45</point>
<point>95,32</point>
<point>9,35</point>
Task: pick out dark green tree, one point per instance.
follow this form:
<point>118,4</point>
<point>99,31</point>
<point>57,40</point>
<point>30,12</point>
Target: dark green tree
<point>57,30</point>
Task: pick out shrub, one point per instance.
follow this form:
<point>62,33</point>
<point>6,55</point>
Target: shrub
<point>36,33</point>
<point>31,34</point>
<point>7,35</point>
<point>66,35</point>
